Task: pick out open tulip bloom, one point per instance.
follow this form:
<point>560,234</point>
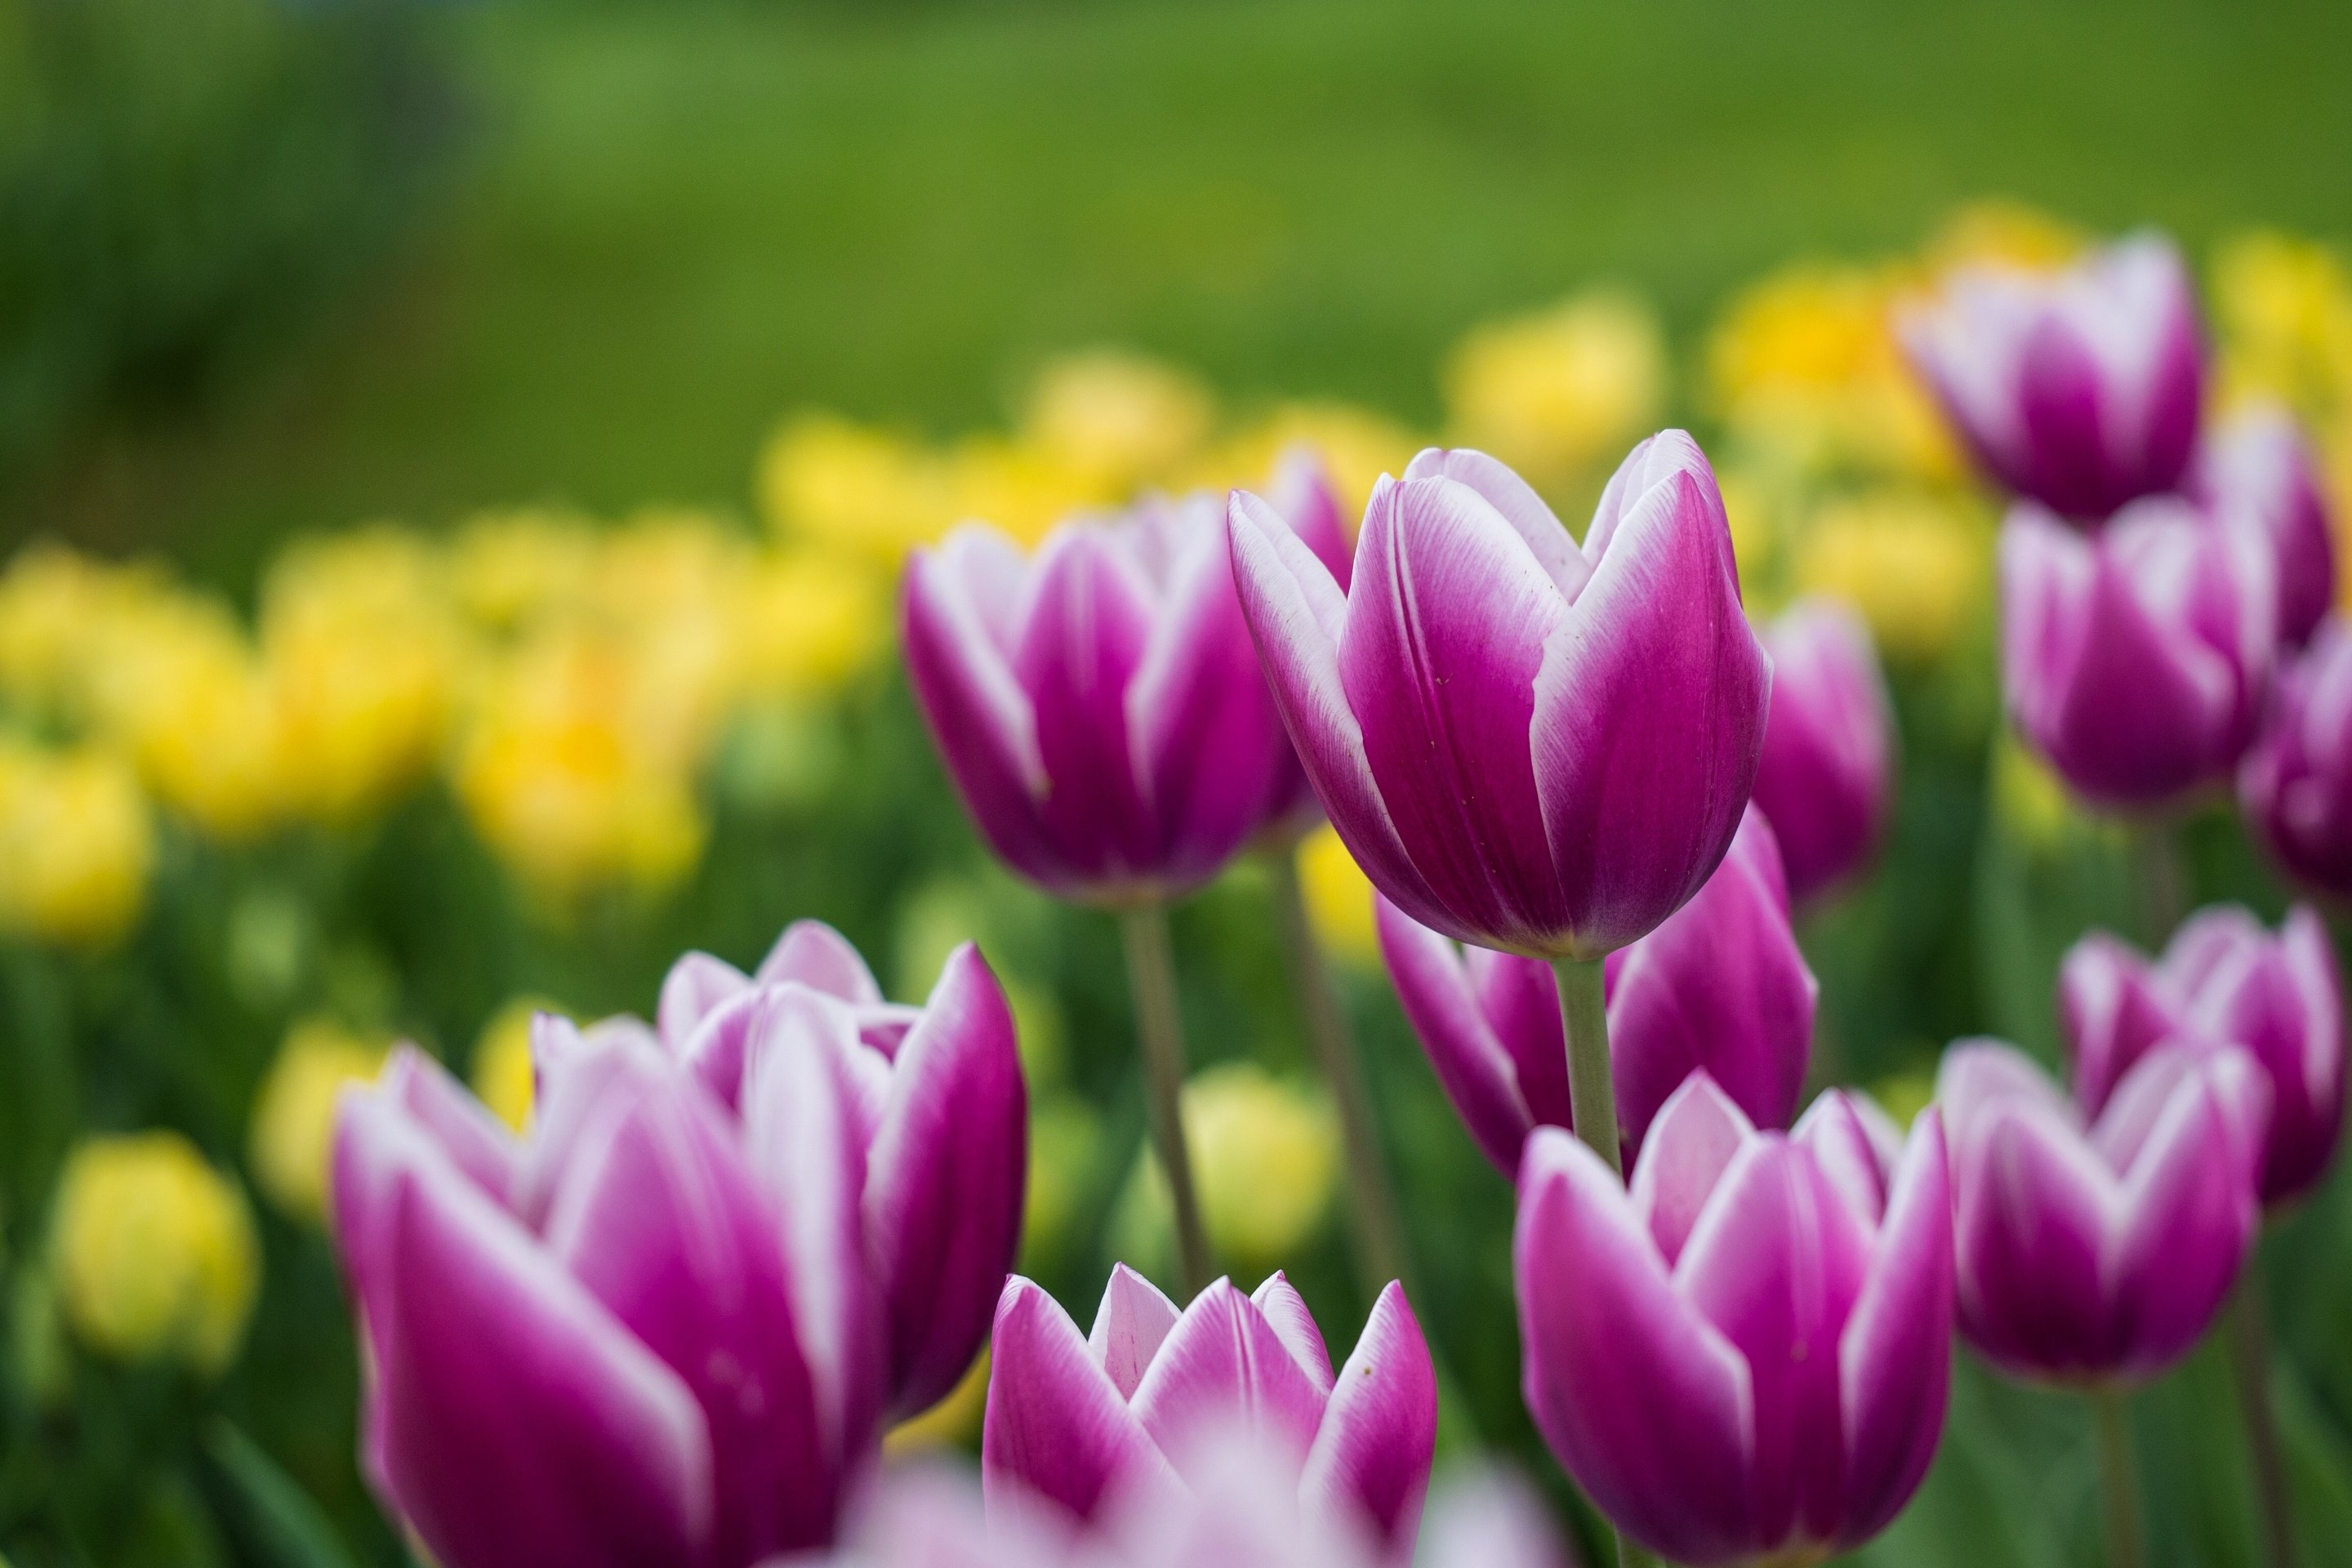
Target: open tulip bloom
<point>2078,389</point>
<point>1721,985</point>
<point>665,1327</point>
<point>1745,1357</point>
<point>1091,1422</point>
<point>2296,787</point>
<point>2256,473</point>
<point>1826,777</point>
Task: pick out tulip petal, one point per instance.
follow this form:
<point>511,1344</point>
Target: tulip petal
<point>1519,998</point>
<point>1285,1310</point>
<point>1519,506</point>
<point>2031,1220</point>
<point>1832,1131</point>
<point>475,1141</point>
<point>1055,1425</point>
<point>1300,490</point>
<point>821,959</point>
<point>1491,1519</point>
<point>2111,1010</point>
<point>695,984</point>
<point>720,1044</point>
<point>1130,1327</point>
<point>1696,1134</point>
<point>1379,1433</point>
<point>1470,1061</point>
<point>1221,1361</point>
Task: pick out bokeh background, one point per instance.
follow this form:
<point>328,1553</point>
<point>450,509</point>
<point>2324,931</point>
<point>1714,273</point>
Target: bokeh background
<point>453,460</point>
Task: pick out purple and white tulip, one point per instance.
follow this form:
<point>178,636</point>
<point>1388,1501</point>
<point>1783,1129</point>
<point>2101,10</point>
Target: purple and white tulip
<point>2138,661</point>
<point>2257,472</point>
<point>1721,985</point>
<point>1826,778</point>
<point>1745,1357</point>
<point>1526,744</point>
<point>2296,787</point>
<point>2223,980</point>
<point>1099,707</point>
<point>2099,1250</point>
<point>1089,1422</point>
<point>2080,389</point>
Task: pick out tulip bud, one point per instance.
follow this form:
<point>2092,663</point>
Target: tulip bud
<point>2137,661</point>
<point>2078,389</point>
<point>2296,784</point>
<point>1826,778</point>
<point>1745,1355</point>
<point>1526,744</point>
<point>2256,472</point>
<point>2100,1250</point>
<point>1721,986</point>
<point>156,1254</point>
<point>294,1112</point>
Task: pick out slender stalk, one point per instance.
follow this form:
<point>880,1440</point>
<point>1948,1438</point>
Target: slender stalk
<point>2164,880</point>
<point>1630,1556</point>
<point>2117,1479</point>
<point>1591,1091</point>
<point>1373,1206</point>
<point>2250,1361</point>
<point>1159,1032</point>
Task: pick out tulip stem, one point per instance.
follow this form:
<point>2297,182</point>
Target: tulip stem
<point>2120,1482</point>
<point>2164,879</point>
<point>1591,1090</point>
<point>1159,1032</point>
<point>1372,1204</point>
<point>2250,1360</point>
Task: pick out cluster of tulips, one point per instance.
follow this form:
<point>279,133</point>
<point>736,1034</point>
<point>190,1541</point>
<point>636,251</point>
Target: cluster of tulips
<point>668,1323</point>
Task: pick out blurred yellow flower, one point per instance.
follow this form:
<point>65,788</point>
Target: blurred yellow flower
<point>829,482</point>
<point>1022,490</point>
<point>76,845</point>
<point>1914,563</point>
<point>293,1123</point>
<point>508,568</point>
<point>155,1253</point>
<point>1356,445</point>
<point>2029,798</point>
<point>1555,392</point>
<point>1266,1155</point>
<point>953,1422</point>
<point>56,607</point>
<point>2283,309</point>
<point>806,623</point>
<point>2002,233</point>
<point>1747,504</point>
<point>1118,417</point>
<point>502,1076</point>
<point>1338,899</point>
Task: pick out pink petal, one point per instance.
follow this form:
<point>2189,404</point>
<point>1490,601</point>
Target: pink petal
<point>695,984</point>
<point>1470,1061</point>
<point>821,959</point>
<point>1696,1134</point>
<point>475,1141</point>
<point>1842,1147</point>
<point>1519,506</point>
<point>1295,1326</point>
<point>1223,1360</point>
<point>1130,1327</point>
<point>1056,1427</point>
<point>1378,1432</point>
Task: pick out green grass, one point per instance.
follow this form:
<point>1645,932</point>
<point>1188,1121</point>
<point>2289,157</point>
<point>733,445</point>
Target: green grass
<point>675,221</point>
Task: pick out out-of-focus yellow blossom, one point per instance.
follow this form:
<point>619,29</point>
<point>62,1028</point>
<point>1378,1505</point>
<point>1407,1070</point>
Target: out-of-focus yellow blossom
<point>666,589</point>
<point>1806,362</point>
<point>1904,1096</point>
<point>806,623</point>
<point>848,487</point>
<point>2001,233</point>
<point>1266,1155</point>
<point>56,607</point>
<point>502,1075</point>
<point>76,845</point>
<point>155,1254</point>
<point>510,568</point>
<point>293,1122</point>
<point>1121,418</point>
<point>1554,393</point>
<point>2030,799</point>
<point>1747,504</point>
<point>2283,307</point>
<point>1339,898</point>
<point>1915,564</point>
<point>1021,489</point>
<point>1356,445</point>
<point>953,1422</point>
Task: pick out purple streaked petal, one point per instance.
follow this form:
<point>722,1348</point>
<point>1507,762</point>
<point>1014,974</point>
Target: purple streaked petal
<point>2112,1009</point>
<point>1130,1327</point>
<point>1519,998</point>
<point>1834,1132</point>
<point>1825,776</point>
<point>1221,1361</point>
<point>475,1141</point>
<point>580,1103</point>
<point>1516,502</point>
<point>717,1049</point>
<point>695,984</point>
<point>1471,1062</point>
<point>1300,490</point>
<point>1055,1425</point>
<point>1379,1433</point>
<point>821,959</point>
<point>1697,1132</point>
<point>1295,1326</point>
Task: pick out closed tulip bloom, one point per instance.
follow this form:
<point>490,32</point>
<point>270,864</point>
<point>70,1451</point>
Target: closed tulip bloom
<point>2099,1249</point>
<point>2222,980</point>
<point>1099,707</point>
<point>1087,1422</point>
<point>2257,472</point>
<point>1721,986</point>
<point>1526,744</point>
<point>2078,389</point>
<point>2135,662</point>
<point>1826,778</point>
<point>2296,784</point>
<point>1745,1357</point>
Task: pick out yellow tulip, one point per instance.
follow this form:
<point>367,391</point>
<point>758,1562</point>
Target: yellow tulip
<point>502,1074</point>
<point>2000,233</point>
<point>826,481</point>
<point>2283,308</point>
<point>805,623</point>
<point>1915,563</point>
<point>1555,392</point>
<point>1356,447</point>
<point>508,569</point>
<point>1338,899</point>
<point>293,1124</point>
<point>76,845</point>
<point>1119,417</point>
<point>155,1253</point>
<point>1266,1155</point>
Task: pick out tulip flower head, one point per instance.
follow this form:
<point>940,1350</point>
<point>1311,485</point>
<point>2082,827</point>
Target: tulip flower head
<point>665,1327</point>
<point>2135,662</point>
<point>2296,784</point>
<point>2222,980</point>
<point>1099,706</point>
<point>2256,472</point>
<point>2098,1250</point>
<point>1526,743</point>
<point>1721,986</point>
<point>1093,1422</point>
<point>1826,776</point>
<point>2079,389</point>
<point>1745,1357</point>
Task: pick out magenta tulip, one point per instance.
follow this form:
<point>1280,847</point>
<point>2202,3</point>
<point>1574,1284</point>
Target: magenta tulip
<point>2296,786</point>
<point>1086,1422</point>
<point>2135,662</point>
<point>2079,389</point>
<point>1721,986</point>
<point>1099,708</point>
<point>1744,1359</point>
<point>1826,778</point>
<point>1526,744</point>
<point>2256,472</point>
<point>2100,1250</point>
<point>2223,980</point>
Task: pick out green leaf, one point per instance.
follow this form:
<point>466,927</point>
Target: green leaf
<point>283,1522</point>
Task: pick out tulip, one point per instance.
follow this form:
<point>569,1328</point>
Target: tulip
<point>2080,389</point>
<point>1744,1358</point>
<point>665,1327</point>
<point>2296,784</point>
<point>1086,1422</point>
<point>2257,472</point>
<point>2223,979</point>
<point>1720,986</point>
<point>1825,779</point>
<point>2137,661</point>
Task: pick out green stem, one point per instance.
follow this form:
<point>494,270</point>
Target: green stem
<point>2120,1483</point>
<point>1591,1091</point>
<point>1159,1031</point>
<point>1372,1205</point>
<point>2165,890</point>
<point>1629,1555</point>
<point>2250,1361</point>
